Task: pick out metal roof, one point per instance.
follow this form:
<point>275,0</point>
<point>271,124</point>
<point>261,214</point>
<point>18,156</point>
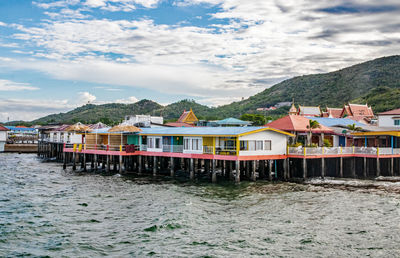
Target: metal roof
<point>21,129</point>
<point>328,121</point>
<point>232,121</point>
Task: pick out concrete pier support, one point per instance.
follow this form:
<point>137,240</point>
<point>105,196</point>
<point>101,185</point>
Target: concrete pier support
<point>108,164</point>
<point>341,167</point>
<point>172,167</point>
<point>237,169</point>
<point>270,162</point>
<point>95,162</point>
<point>84,162</point>
<point>378,167</point>
<point>214,172</point>
<point>285,169</point>
<point>323,167</point>
<point>353,167</point>
<point>73,161</point>
<point>191,168</point>
<point>140,167</point>
<point>253,171</point>
<point>154,166</point>
<point>120,163</point>
<point>64,160</point>
<point>304,168</point>
<point>391,166</point>
<point>364,167</point>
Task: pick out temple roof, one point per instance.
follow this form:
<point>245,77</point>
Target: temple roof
<point>293,123</point>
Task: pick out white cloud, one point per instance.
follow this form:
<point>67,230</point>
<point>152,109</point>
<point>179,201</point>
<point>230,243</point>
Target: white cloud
<point>86,97</point>
<point>6,85</point>
<point>129,100</point>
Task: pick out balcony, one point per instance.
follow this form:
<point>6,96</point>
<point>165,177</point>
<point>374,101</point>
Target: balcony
<point>173,148</point>
<point>310,151</point>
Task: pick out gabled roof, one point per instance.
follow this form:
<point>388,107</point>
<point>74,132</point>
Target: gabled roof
<point>357,111</point>
<point>208,131</point>
<point>293,123</point>
<point>187,116</point>
<point>232,121</point>
<point>2,128</point>
<point>313,111</point>
<point>334,112</point>
<point>390,112</point>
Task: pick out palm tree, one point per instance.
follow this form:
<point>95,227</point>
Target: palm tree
<point>312,124</point>
<point>353,127</point>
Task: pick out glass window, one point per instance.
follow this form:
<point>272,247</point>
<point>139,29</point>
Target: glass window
<point>158,143</point>
<point>397,122</point>
<point>186,144</point>
<point>267,145</point>
<point>252,145</point>
<point>243,145</point>
<point>259,145</point>
<point>150,143</point>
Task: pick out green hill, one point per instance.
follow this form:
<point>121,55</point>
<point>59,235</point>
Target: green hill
<point>376,82</point>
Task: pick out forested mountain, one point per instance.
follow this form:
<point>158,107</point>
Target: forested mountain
<point>376,82</point>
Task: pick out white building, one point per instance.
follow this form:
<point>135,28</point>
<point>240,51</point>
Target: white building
<point>3,137</point>
<point>144,120</point>
<point>389,118</point>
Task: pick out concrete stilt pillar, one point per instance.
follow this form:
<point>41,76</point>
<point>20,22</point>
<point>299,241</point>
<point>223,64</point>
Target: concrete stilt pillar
<point>270,170</point>
<point>365,167</point>
<point>154,166</point>
<point>172,167</point>
<point>353,168</point>
<point>341,167</point>
<point>214,172</point>
<point>285,169</point>
<point>253,171</point>
<point>84,162</point>
<point>120,163</point>
<point>91,163</point>
<point>64,160</point>
<point>140,168</point>
<point>191,168</point>
<point>247,169</point>
<point>304,168</point>
<point>378,167</point>
<point>73,161</point>
<point>95,162</point>
<point>108,164</point>
<point>237,168</point>
<point>391,166</point>
<point>323,167</point>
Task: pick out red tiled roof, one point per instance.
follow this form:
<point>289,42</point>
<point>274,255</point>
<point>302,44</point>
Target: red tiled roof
<point>334,112</point>
<point>2,128</point>
<point>357,110</point>
<point>391,112</point>
<point>293,123</point>
<point>179,124</point>
<point>183,116</point>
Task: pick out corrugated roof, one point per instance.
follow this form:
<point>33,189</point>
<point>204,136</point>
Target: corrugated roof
<point>20,129</point>
<point>305,110</point>
<point>179,124</point>
<point>327,121</point>
<point>232,121</point>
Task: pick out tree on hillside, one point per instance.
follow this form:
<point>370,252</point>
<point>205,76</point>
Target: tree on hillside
<point>312,124</point>
<point>256,119</point>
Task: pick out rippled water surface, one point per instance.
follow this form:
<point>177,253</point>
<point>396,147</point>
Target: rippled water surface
<point>45,211</point>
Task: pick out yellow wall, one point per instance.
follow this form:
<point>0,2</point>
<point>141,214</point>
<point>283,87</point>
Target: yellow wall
<point>207,141</point>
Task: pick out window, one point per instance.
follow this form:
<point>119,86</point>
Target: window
<point>267,145</point>
<point>158,143</point>
<point>186,144</point>
<point>243,145</point>
<point>195,144</point>
<point>252,145</point>
<point>397,122</point>
<point>150,143</point>
<point>259,145</point>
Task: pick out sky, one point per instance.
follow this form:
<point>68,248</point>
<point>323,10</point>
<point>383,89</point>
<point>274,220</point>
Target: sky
<point>60,54</point>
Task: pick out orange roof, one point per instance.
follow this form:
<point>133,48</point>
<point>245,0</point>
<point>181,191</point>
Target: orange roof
<point>187,117</point>
<point>179,124</point>
<point>2,128</point>
<point>293,123</point>
<point>334,112</point>
<point>391,112</point>
<point>21,126</point>
<point>357,111</point>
